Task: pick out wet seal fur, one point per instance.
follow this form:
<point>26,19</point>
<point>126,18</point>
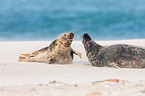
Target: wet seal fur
<point>59,51</point>
<point>118,55</point>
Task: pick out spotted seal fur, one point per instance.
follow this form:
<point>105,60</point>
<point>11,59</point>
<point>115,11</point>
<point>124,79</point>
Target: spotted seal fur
<point>118,55</point>
<point>59,51</point>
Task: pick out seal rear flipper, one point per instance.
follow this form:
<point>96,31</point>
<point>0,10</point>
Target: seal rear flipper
<point>25,57</point>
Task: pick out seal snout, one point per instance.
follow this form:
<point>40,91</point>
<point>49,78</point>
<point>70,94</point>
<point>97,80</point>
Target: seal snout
<point>86,37</point>
<point>71,35</point>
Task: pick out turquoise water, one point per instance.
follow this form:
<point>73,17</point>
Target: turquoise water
<point>45,20</point>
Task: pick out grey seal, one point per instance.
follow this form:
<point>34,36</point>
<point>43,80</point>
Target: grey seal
<point>58,52</point>
<point>118,55</point>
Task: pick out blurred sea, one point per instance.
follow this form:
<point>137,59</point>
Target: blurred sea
<point>45,20</point>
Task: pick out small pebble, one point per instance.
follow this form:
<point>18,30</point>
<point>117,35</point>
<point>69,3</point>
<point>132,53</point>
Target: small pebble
<point>76,85</point>
<point>94,94</point>
<point>112,80</point>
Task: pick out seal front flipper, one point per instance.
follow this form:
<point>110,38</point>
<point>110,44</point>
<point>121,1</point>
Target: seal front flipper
<point>77,53</point>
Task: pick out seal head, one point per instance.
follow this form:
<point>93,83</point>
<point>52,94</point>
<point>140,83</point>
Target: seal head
<point>86,38</point>
<point>66,39</point>
<point>90,44</point>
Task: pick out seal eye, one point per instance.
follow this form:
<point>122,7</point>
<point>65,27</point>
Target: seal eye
<point>64,34</point>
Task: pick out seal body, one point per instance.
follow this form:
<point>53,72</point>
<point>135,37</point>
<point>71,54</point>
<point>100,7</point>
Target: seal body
<point>59,51</point>
<point>118,55</point>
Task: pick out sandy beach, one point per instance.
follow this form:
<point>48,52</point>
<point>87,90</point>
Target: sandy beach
<point>76,79</point>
